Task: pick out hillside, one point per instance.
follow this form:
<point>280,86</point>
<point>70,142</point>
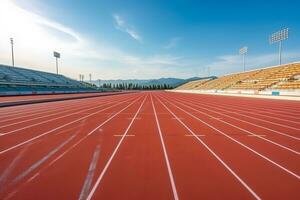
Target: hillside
<point>174,82</point>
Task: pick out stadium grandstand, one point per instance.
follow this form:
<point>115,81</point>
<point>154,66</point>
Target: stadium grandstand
<point>16,80</point>
<point>194,84</point>
<point>284,79</point>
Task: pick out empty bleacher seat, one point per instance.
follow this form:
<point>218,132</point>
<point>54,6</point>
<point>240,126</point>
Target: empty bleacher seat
<point>279,77</point>
<point>16,78</point>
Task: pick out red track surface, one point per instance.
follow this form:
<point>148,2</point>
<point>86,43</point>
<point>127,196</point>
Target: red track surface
<point>40,97</point>
<point>151,145</point>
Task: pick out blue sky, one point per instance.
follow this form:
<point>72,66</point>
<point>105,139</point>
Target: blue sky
<point>147,38</point>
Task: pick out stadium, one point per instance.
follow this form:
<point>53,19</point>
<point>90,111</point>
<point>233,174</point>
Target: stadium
<point>158,117</point>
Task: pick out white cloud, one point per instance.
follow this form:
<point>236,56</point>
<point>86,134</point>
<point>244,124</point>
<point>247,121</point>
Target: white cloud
<point>172,43</point>
<point>36,37</point>
<point>154,60</point>
<point>123,26</point>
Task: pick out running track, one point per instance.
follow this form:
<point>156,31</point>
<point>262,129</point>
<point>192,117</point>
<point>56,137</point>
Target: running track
<point>39,97</point>
<point>48,97</point>
<point>151,145</point>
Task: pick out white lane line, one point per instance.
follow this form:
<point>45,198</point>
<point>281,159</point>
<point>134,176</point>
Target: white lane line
<point>244,130</point>
<point>90,133</point>
<point>242,144</point>
<point>259,119</point>
<point>11,194</point>
<point>113,154</point>
<point>70,109</point>
<point>41,161</point>
<point>216,118</point>
<point>83,109</point>
<point>256,135</point>
<point>214,154</point>
<point>255,113</point>
<point>11,167</point>
<point>31,110</point>
<point>263,127</point>
<point>123,135</point>
<point>90,175</point>
<point>194,135</point>
<point>27,112</point>
<point>23,115</point>
<point>57,128</point>
<point>60,117</point>
<point>175,194</point>
<point>33,177</point>
<point>69,129</point>
<point>273,109</point>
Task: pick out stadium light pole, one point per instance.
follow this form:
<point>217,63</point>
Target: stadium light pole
<point>90,78</point>
<point>56,55</point>
<point>99,81</point>
<point>243,51</point>
<point>279,37</point>
<point>12,51</point>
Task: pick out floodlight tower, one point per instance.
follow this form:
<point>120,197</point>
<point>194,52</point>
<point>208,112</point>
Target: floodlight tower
<point>90,78</point>
<point>56,55</point>
<point>243,51</point>
<point>279,36</point>
<point>12,51</point>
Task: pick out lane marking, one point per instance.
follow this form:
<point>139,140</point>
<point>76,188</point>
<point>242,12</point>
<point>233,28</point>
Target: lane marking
<point>70,109</point>
<point>90,175</point>
<point>256,135</point>
<point>242,144</point>
<point>287,110</point>
<point>113,154</point>
<point>93,131</point>
<point>15,115</point>
<point>11,167</point>
<point>251,133</point>
<point>175,194</point>
<point>255,118</point>
<point>217,118</point>
<point>256,113</point>
<point>41,161</point>
<point>49,120</point>
<point>194,135</point>
<point>213,153</point>
<point>81,111</point>
<point>23,115</point>
<point>11,194</point>
<point>33,177</point>
<point>124,135</point>
<point>57,128</point>
<point>31,109</point>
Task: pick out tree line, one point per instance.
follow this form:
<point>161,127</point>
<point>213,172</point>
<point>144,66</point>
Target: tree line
<point>133,86</point>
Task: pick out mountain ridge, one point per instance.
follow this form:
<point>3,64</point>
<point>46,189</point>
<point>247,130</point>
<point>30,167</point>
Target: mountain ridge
<point>174,82</point>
